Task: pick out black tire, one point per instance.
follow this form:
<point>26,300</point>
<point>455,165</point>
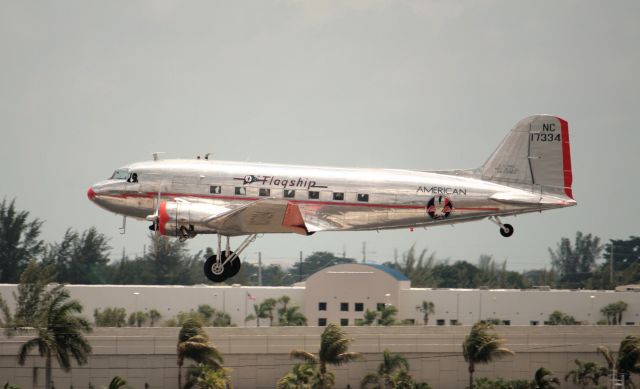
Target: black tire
<point>506,230</point>
<point>229,270</point>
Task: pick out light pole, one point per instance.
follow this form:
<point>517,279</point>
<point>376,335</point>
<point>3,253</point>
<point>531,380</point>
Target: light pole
<point>136,294</point>
<point>592,298</point>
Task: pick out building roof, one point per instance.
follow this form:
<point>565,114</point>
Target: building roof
<point>390,271</point>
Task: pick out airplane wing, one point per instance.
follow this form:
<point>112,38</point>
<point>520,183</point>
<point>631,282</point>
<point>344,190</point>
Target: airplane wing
<point>262,216</point>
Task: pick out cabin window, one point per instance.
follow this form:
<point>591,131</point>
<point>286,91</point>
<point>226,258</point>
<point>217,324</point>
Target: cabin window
<point>133,177</point>
<point>338,196</point>
<point>314,195</point>
<point>241,190</point>
<point>289,193</point>
<point>322,322</point>
<point>363,197</point>
<point>264,192</point>
<point>215,189</point>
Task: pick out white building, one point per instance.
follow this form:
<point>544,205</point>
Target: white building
<point>342,293</point>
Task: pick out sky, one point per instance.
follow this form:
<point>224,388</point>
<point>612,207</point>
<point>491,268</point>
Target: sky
<point>86,87</point>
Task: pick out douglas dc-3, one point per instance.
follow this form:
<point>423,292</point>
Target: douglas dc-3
<point>529,172</point>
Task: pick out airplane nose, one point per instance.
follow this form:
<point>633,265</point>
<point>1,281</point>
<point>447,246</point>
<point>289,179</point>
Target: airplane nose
<point>91,194</point>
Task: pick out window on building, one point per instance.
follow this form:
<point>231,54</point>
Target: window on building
<point>241,190</point>
<point>264,192</point>
<point>533,323</point>
<point>314,195</point>
<point>409,322</point>
<point>322,306</point>
<point>215,189</point>
<point>506,322</point>
<point>546,323</point>
<point>344,307</point>
<point>322,322</point>
<point>338,196</point>
<point>453,322</point>
<point>440,322</point>
<point>289,193</point>
<point>363,197</point>
<point>629,323</point>
<point>344,322</point>
<point>359,307</point>
<point>380,307</point>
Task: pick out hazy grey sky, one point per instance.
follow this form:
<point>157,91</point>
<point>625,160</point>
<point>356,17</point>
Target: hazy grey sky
<point>88,86</point>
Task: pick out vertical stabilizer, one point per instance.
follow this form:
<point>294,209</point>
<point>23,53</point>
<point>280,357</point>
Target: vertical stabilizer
<point>535,154</point>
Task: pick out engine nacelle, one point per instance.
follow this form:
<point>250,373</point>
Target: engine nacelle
<point>177,218</point>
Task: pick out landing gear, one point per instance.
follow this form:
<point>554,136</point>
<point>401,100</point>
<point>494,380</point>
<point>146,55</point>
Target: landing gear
<point>226,263</point>
<point>219,271</point>
<point>506,230</point>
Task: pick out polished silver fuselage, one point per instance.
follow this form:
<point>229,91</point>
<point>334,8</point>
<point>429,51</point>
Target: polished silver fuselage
<point>372,198</point>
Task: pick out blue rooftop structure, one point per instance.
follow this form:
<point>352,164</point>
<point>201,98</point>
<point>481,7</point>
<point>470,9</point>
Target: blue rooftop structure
<point>390,271</point>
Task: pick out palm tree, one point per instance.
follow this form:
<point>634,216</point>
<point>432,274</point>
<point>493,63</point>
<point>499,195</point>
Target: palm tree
<point>117,383</point>
<point>586,373</point>
<point>154,316</point>
<point>427,308</point>
<point>481,346</point>
<point>194,344</point>
<point>205,377</point>
<point>260,312</point>
<point>628,360</point>
<point>388,315</point>
<point>369,317</point>
<point>268,306</point>
<point>301,376</point>
<point>292,317</point>
<point>334,348</point>
<point>390,364</point>
<point>59,332</point>
<point>544,379</point>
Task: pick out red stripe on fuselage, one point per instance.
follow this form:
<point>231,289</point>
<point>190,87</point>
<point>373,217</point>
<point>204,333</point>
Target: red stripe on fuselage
<point>312,202</point>
<point>566,158</point>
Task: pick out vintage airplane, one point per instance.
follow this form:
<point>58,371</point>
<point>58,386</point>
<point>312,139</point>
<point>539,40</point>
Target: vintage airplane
<point>529,172</point>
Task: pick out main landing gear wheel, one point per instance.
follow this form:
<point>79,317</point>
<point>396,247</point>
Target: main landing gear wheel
<point>220,271</point>
<point>506,230</point>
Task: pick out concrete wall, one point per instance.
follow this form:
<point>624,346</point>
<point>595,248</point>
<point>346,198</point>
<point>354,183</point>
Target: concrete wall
<point>259,356</point>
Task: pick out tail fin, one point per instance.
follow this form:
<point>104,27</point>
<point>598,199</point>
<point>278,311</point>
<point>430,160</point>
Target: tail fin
<point>534,154</point>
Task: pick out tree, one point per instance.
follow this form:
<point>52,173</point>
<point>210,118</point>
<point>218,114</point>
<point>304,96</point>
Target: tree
<point>137,319</point>
<point>334,350</point>
<point>426,308</point>
<point>418,269</point>
<point>168,262</point>
<point>559,318</point>
<point>389,365</point>
<point>117,383</point>
<point>154,316</point>
<point>316,261</point>
<point>59,333</point>
<point>388,315</point>
<point>110,317</point>
<point>302,375</point>
<point>193,343</point>
<point>80,258</point>
<point>19,243</point>
<point>586,373</point>
<point>627,361</point>
<point>369,317</point>
<point>614,311</point>
<point>482,346</point>
<point>292,317</point>
<point>268,306</point>
<point>202,376</point>
<point>574,263</point>
<point>544,379</point>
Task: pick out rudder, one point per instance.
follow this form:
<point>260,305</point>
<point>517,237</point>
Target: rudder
<point>536,154</point>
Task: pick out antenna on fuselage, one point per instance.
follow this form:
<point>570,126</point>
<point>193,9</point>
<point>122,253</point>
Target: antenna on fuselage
<point>156,155</point>
<point>206,156</point>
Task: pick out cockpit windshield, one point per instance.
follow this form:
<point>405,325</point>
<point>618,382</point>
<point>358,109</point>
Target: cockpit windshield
<point>120,174</point>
